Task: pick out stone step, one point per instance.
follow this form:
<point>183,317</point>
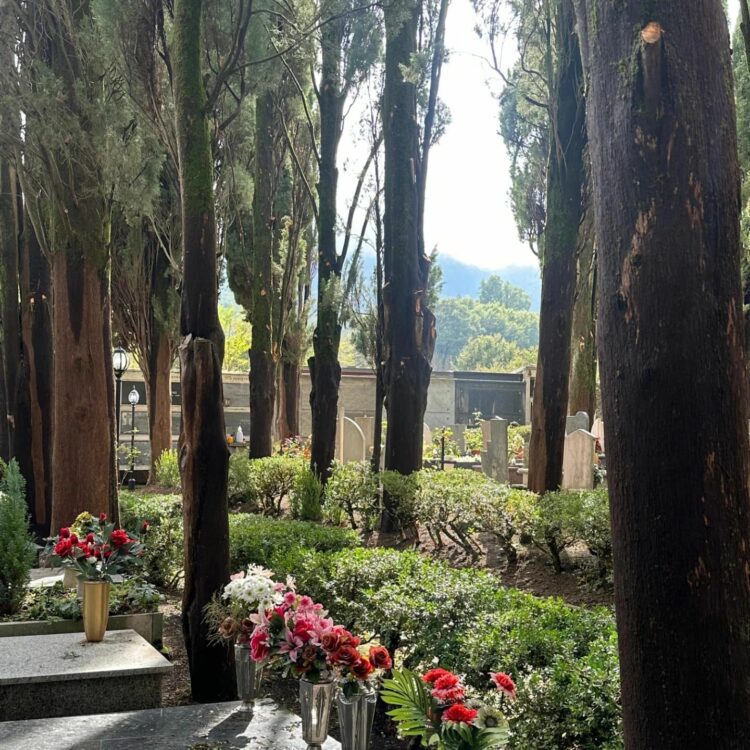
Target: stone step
<point>64,675</point>
<point>219,726</point>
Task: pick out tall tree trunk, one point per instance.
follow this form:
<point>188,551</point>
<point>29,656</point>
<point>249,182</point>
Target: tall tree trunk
<point>35,409</point>
<point>262,348</point>
<point>204,457</point>
<point>666,181</point>
<point>582,391</point>
<point>409,326</point>
<point>159,396</point>
<point>4,435</point>
<point>9,290</point>
<point>83,451</point>
<point>289,422</point>
<point>325,370</point>
<point>565,177</point>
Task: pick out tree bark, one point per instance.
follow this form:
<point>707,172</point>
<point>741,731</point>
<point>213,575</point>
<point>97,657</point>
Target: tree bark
<point>409,325</point>
<point>204,457</point>
<point>289,400</point>
<point>262,349</point>
<point>35,408</point>
<point>582,391</point>
<point>9,289</point>
<point>159,396</point>
<point>84,405</point>
<point>564,206</point>
<point>325,371</point>
<point>661,123</point>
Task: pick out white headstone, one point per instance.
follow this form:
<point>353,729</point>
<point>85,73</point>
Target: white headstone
<point>578,461</point>
<point>426,434</point>
<point>355,445</point>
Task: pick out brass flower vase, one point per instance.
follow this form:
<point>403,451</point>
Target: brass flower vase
<point>315,700</point>
<point>356,714</point>
<point>95,609</point>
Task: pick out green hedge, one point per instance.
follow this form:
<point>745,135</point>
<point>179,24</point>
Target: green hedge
<point>252,539</point>
<point>564,659</point>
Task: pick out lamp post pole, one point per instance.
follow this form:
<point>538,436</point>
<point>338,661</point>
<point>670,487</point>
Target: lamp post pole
<point>133,398</point>
<point>120,364</point>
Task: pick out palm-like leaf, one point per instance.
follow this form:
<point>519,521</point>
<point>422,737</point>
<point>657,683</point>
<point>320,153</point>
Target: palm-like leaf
<point>413,705</point>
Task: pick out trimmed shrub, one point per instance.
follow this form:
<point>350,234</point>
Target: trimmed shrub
<point>457,504</point>
<point>168,470</point>
<point>401,490</point>
<point>307,496</point>
<point>163,539</point>
<point>564,659</point>
<point>552,521</point>
<point>256,540</point>
<point>263,483</point>
<point>17,547</point>
<point>351,494</point>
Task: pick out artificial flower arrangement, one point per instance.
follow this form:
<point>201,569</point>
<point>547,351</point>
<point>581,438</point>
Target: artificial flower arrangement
<point>247,593</point>
<point>298,637</point>
<point>95,549</point>
<point>437,709</point>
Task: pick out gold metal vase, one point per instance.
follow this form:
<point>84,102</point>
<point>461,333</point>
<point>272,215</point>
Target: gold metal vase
<point>95,609</point>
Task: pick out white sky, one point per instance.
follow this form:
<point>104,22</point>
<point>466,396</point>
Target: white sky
<point>468,213</point>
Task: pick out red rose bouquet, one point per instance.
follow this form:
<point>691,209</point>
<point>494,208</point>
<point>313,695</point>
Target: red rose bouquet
<point>100,551</point>
<point>355,671</point>
<point>435,708</point>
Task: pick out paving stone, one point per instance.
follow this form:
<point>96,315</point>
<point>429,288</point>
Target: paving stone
<point>218,726</point>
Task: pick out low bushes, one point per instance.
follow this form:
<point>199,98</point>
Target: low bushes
<point>17,548</point>
<point>168,470</point>
<point>163,539</point>
<point>351,495</point>
<point>256,540</point>
<point>564,659</point>
<point>262,483</point>
<point>307,496</point>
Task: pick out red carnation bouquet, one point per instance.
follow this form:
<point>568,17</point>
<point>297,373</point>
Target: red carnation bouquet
<point>98,553</point>
<point>435,707</point>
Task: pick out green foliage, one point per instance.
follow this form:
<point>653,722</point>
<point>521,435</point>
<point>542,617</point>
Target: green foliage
<point>263,483</point>
<point>408,693</point>
<point>564,659</point>
<point>55,602</point>
<point>168,470</point>
<point>496,289</point>
<point>256,540</point>
<point>462,319</point>
<point>401,490</point>
<point>17,548</point>
<point>434,449</point>
<point>352,493</point>
<point>307,496</point>
<point>457,504</point>
<point>494,354</point>
<point>163,540</point>
<point>237,336</point>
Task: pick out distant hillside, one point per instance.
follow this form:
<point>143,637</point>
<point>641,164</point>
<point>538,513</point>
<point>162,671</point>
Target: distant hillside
<point>461,279</point>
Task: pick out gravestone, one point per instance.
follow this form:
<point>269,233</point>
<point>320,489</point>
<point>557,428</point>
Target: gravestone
<point>355,445</point>
<point>426,434</point>
<point>578,461</point>
<point>64,675</point>
<point>495,453</point>
<point>579,421</point>
<point>459,437</point>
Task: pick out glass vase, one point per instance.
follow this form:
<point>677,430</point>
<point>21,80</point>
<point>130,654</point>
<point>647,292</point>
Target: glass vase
<point>315,700</point>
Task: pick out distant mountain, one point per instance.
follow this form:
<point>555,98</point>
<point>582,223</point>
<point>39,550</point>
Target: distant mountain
<point>459,279</point>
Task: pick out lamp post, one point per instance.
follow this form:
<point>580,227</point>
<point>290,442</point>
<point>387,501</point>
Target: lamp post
<point>133,398</point>
<point>120,364</point>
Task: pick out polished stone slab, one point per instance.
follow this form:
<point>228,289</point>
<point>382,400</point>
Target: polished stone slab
<point>219,726</point>
<point>64,675</point>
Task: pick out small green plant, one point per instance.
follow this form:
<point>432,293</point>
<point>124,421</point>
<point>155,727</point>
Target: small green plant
<point>168,470</point>
<point>262,483</point>
<point>307,496</point>
<point>434,450</point>
<point>352,493</point>
<point>17,548</point>
<point>401,493</point>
